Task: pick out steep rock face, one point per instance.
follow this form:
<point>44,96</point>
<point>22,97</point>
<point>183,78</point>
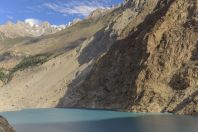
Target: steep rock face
<point>154,69</point>
<point>98,13</point>
<point>100,43</point>
<point>4,125</point>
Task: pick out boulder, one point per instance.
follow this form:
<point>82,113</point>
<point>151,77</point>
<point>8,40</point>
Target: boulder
<point>5,126</point>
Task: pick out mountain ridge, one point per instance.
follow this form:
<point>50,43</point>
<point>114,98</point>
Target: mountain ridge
<point>139,56</point>
<point>27,29</point>
<point>135,74</point>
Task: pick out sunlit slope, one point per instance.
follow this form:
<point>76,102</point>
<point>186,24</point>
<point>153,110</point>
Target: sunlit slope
<point>35,72</point>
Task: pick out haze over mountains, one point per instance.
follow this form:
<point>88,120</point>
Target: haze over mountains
<point>30,28</point>
<point>139,56</point>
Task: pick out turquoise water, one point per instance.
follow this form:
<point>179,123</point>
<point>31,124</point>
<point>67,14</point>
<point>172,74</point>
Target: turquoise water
<point>81,120</point>
<point>54,115</point>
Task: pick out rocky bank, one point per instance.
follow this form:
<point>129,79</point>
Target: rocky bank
<point>5,126</point>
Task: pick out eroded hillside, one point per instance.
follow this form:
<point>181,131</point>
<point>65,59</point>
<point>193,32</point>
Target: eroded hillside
<point>154,69</point>
<point>36,71</point>
<point>140,56</point>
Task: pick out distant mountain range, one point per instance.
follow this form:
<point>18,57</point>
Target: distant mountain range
<point>28,29</point>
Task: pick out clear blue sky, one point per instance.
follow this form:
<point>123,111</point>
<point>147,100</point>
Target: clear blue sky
<point>55,11</point>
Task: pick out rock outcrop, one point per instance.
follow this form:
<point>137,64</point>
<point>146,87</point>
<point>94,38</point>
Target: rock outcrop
<point>5,126</point>
<point>98,13</point>
<point>153,68</point>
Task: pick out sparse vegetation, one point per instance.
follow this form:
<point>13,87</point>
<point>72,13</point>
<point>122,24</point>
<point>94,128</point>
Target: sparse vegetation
<point>27,62</point>
<point>31,61</point>
<point>6,75</point>
<point>3,75</point>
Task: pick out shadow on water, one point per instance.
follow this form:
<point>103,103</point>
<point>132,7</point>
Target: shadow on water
<point>134,124</point>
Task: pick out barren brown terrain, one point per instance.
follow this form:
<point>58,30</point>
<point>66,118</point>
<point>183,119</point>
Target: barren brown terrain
<point>140,56</point>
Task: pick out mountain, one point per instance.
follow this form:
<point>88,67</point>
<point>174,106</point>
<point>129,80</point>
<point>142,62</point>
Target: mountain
<point>98,13</point>
<point>153,69</point>
<point>139,56</point>
<point>27,29</point>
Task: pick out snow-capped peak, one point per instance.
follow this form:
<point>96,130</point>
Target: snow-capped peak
<point>32,21</point>
<point>30,28</point>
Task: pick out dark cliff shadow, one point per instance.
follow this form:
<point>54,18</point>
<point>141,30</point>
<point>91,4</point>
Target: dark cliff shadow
<point>195,53</point>
<point>73,45</point>
<point>192,22</point>
<point>185,102</point>
<point>33,40</point>
<point>100,43</point>
<point>112,81</point>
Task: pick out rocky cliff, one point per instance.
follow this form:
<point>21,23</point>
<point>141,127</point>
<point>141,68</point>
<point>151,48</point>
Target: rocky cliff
<point>153,68</point>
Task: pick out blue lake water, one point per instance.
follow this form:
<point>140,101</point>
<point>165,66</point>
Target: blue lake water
<point>82,120</point>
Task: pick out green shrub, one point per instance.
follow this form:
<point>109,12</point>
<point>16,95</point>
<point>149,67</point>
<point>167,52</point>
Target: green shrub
<point>3,75</point>
<point>31,61</point>
<point>28,62</point>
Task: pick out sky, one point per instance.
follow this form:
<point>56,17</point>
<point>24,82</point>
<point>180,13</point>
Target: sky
<point>56,12</point>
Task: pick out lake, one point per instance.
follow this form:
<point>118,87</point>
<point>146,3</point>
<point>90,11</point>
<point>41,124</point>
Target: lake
<point>85,120</point>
